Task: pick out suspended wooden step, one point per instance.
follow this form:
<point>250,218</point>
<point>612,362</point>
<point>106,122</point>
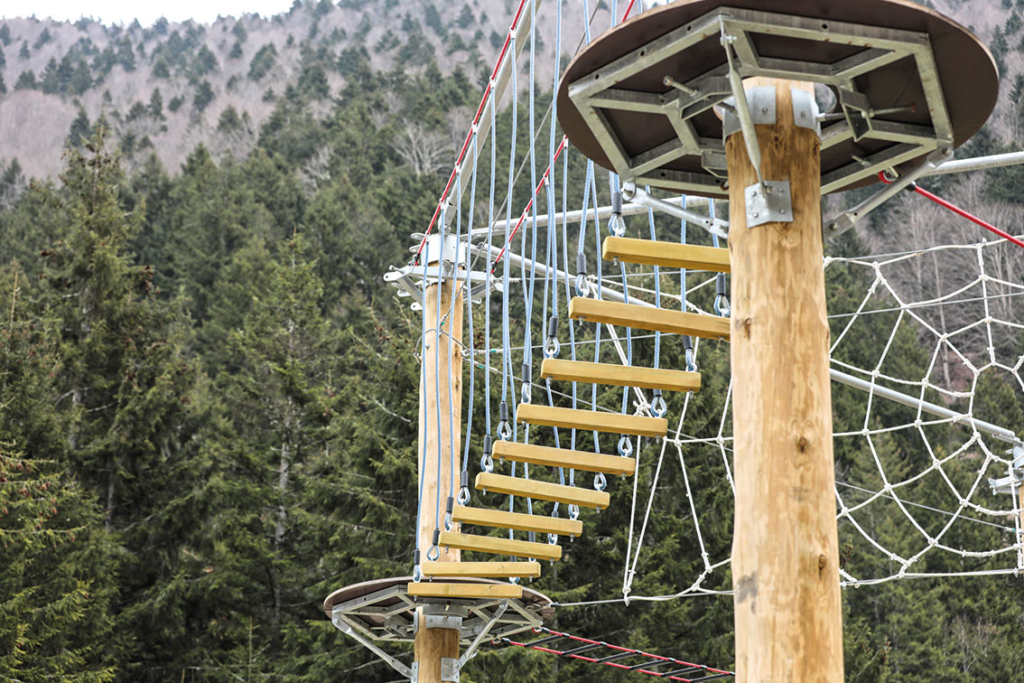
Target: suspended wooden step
<point>591,420</point>
<point>563,457</point>
<point>502,519</point>
<point>482,570</point>
<point>649,318</point>
<point>619,375</point>
<point>501,546</point>
<point>473,591</point>
<point>542,490</point>
<point>667,254</point>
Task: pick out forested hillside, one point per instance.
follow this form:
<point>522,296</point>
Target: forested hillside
<point>208,396</point>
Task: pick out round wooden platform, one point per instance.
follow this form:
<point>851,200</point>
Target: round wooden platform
<point>966,71</point>
<point>383,610</point>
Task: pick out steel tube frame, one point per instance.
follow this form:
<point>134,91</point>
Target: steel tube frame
<point>925,406</point>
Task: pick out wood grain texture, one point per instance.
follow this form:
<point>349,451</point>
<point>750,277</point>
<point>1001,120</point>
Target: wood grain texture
<point>503,519</point>
<point>785,560</point>
<point>431,644</point>
<point>483,570</point>
<point>591,420</point>
<point>501,546</point>
<point>542,490</point>
<point>563,457</point>
<point>648,318</point>
<point>619,375</point>
<point>431,589</point>
<point>666,254</point>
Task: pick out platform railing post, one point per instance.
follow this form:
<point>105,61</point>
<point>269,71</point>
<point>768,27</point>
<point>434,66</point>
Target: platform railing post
<point>785,549</point>
<point>434,644</point>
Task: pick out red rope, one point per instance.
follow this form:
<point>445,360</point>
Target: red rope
<point>472,128</point>
<point>707,673</point>
<point>476,120</point>
<point>958,211</point>
<point>529,204</point>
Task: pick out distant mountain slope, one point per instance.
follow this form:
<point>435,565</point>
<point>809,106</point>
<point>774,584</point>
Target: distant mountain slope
<point>169,85</point>
<point>172,86</point>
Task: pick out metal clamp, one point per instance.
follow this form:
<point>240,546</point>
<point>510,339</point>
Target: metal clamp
<point>769,202</point>
<point>716,226</point>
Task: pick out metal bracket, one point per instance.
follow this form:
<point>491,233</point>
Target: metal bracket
<point>414,676</point>
<point>450,669</point>
<point>471,651</point>
<point>858,112</point>
<point>443,616</point>
<point>846,220</point>
<point>771,202</point>
<point>760,103</point>
<point>715,226</point>
<point>805,110</point>
<point>347,629</point>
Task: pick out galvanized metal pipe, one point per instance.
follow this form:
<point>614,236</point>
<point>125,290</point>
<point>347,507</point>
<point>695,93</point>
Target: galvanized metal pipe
<point>924,406</point>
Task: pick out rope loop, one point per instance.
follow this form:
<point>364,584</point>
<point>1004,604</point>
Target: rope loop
<point>524,394</point>
<point>463,497</point>
<point>617,226</point>
<point>722,307</point>
<point>600,481</point>
<point>551,347</point>
<point>505,430</point>
<point>433,553</point>
<point>574,512</point>
<point>582,285</point>
<point>487,461</point>
<point>691,360</point>
<point>625,450</point>
<point>417,574</point>
<point>658,405</point>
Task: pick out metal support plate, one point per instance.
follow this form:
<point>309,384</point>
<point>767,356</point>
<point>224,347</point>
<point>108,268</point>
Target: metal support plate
<point>762,110</point>
<point>450,669</point>
<point>771,204</point>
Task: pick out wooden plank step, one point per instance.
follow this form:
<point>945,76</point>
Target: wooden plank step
<point>591,420</point>
<point>500,546</point>
<point>503,519</point>
<point>667,254</point>
<point>619,375</point>
<point>542,490</point>
<point>473,591</point>
<point>482,570</point>
<point>649,318</point>
<point>563,457</point>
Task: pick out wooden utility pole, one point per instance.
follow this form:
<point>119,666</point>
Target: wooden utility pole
<point>785,549</point>
<point>434,643</point>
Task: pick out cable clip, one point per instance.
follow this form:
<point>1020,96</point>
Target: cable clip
<point>722,307</point>
<point>504,428</point>
<point>617,226</point>
<point>582,283</point>
<point>486,462</point>
<point>449,508</point>
<point>691,357</point>
<point>463,496</point>
<point>527,375</point>
<point>551,345</point>
<point>435,549</point>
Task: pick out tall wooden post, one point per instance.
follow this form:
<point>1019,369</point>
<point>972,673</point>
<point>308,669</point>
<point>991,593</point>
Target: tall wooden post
<point>432,644</point>
<point>785,549</point>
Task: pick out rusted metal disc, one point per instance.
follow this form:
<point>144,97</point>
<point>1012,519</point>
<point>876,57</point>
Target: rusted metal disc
<point>966,70</point>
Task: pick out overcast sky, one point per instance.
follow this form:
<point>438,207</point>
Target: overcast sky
<point>118,11</point>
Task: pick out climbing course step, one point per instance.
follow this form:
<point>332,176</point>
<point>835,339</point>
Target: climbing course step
<point>542,490</point>
<point>563,457</point>
<point>483,570</point>
<point>649,318</point>
<point>619,375</point>
<point>667,254</point>
<point>500,546</point>
<point>430,589</point>
<point>517,520</point>
<point>591,420</point>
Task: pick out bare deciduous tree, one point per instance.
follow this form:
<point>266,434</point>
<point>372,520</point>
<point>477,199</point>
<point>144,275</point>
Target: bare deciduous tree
<point>422,149</point>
